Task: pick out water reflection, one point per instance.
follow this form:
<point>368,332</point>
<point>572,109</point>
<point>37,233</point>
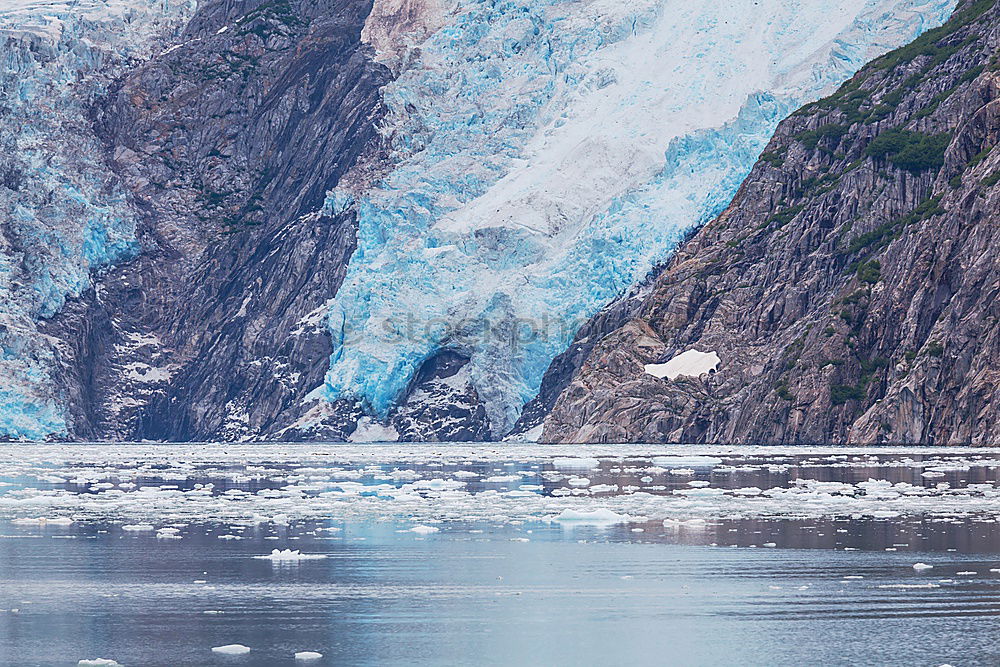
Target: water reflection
<point>501,581</point>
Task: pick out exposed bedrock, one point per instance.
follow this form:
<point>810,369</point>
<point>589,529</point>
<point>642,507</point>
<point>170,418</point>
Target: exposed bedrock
<point>851,287</point>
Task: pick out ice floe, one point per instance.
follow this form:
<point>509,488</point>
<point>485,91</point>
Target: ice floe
<point>231,649</point>
<point>424,530</point>
<point>152,491</point>
<point>289,555</point>
<point>595,516</point>
<point>308,655</point>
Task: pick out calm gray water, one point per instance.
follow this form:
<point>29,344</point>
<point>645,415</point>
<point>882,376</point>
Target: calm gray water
<point>142,579</point>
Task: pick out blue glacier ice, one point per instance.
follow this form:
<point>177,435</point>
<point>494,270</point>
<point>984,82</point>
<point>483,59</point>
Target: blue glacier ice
<point>549,153</point>
<point>64,216</point>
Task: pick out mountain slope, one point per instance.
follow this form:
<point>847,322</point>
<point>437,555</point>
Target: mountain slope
<point>849,289</point>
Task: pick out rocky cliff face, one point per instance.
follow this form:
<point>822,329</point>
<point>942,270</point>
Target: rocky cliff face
<point>850,289</point>
<point>227,144</point>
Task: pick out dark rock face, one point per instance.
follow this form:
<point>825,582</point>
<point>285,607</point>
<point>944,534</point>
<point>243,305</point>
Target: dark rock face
<point>441,404</point>
<point>851,287</point>
<point>228,144</point>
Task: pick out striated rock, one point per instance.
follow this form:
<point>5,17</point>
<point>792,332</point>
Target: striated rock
<point>228,143</point>
<point>850,289</point>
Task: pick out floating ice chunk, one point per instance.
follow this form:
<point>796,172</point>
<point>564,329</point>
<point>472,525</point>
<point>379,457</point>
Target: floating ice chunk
<point>308,655</point>
<point>424,530</point>
<point>691,363</point>
<point>138,528</point>
<point>920,567</point>
<point>44,521</point>
<point>575,463</point>
<point>441,484</point>
<point>289,555</point>
<point>578,481</point>
<point>770,545</point>
<point>231,649</point>
<point>699,484</point>
<point>595,517</point>
<point>686,461</point>
<point>98,662</point>
<point>910,586</point>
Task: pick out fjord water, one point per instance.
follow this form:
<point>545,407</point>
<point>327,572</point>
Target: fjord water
<point>498,554</point>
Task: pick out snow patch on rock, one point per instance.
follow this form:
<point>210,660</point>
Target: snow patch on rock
<point>691,363</point>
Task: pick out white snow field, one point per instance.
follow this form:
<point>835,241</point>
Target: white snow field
<point>146,488</point>
<point>690,363</point>
<point>549,153</point>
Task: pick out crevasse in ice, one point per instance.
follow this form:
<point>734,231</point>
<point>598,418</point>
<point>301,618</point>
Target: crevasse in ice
<point>549,153</point>
<point>64,217</point>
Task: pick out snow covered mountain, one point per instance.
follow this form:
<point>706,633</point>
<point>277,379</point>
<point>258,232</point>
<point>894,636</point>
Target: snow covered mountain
<point>282,219</point>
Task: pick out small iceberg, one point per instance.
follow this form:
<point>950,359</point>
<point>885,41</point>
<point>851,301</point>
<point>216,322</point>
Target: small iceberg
<point>576,463</point>
<point>138,528</point>
<point>289,555</point>
<point>599,516</point>
<point>231,649</point>
<point>686,461</point>
<point>920,567</point>
<point>44,521</point>
<point>308,655</point>
<point>424,530</point>
<point>98,662</point>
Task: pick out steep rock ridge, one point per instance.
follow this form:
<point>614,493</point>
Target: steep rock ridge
<point>851,287</point>
<point>228,142</point>
<point>531,144</point>
<point>64,214</point>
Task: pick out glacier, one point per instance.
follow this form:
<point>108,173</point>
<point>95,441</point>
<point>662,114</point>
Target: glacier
<point>547,154</point>
<point>64,214</point>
